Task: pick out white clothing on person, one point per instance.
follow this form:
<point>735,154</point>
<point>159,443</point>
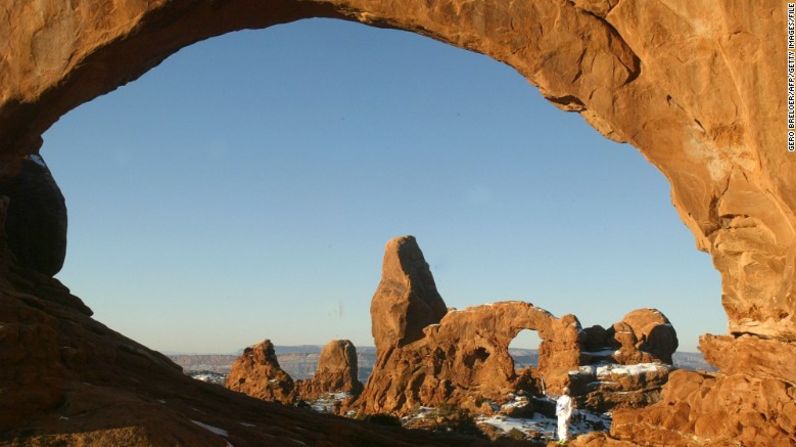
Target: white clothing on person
<point>563,413</point>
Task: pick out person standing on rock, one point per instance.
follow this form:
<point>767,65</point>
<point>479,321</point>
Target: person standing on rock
<point>563,413</point>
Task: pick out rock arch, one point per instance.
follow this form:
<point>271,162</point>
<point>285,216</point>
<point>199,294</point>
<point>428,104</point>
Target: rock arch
<point>703,122</point>
<point>696,86</point>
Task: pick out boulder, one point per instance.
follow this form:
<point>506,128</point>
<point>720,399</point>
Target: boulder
<point>653,334</point>
<point>36,217</point>
<point>336,372</point>
<point>643,336</point>
<point>257,373</point>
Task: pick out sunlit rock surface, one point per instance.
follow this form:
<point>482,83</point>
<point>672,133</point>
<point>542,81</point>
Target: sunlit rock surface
<point>606,387</point>
<point>257,373</point>
<point>407,299</point>
<point>336,372</point>
<point>463,359</point>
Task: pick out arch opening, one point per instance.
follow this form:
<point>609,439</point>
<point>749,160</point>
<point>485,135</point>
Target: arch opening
<point>479,195</point>
<point>524,349</point>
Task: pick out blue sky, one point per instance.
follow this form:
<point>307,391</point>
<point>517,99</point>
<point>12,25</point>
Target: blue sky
<point>245,188</point>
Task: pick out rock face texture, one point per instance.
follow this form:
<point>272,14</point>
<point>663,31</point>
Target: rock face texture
<point>696,86</point>
<point>709,407</point>
<point>36,217</point>
<point>336,373</point>
<point>257,373</point>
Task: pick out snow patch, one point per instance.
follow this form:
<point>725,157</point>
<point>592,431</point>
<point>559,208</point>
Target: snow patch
<point>421,413</point>
<point>328,402</point>
<point>542,426</point>
<point>518,402</point>
<point>614,369</point>
<point>212,429</point>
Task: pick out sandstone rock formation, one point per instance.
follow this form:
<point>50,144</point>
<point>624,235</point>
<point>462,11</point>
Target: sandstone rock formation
<point>731,180</point>
<point>708,407</point>
<point>406,300</point>
<point>36,220</point>
<point>336,373</point>
<point>257,373</point>
<point>645,340</point>
<point>697,86</point>
<point>656,339</point>
<point>607,387</point>
<point>643,336</point>
<point>462,359</point>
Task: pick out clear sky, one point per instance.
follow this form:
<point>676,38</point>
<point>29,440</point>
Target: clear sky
<point>245,188</point>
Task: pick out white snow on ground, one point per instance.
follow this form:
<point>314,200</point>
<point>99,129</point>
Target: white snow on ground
<point>582,422</point>
<point>326,404</point>
<point>421,413</point>
<point>207,376</point>
<point>518,402</point>
<point>538,426</point>
<point>246,424</point>
<point>613,369</point>
<point>204,378</point>
<point>212,429</point>
<point>538,423</point>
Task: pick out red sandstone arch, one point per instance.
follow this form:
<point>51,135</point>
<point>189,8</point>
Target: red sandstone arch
<point>696,86</point>
<point>703,121</point>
